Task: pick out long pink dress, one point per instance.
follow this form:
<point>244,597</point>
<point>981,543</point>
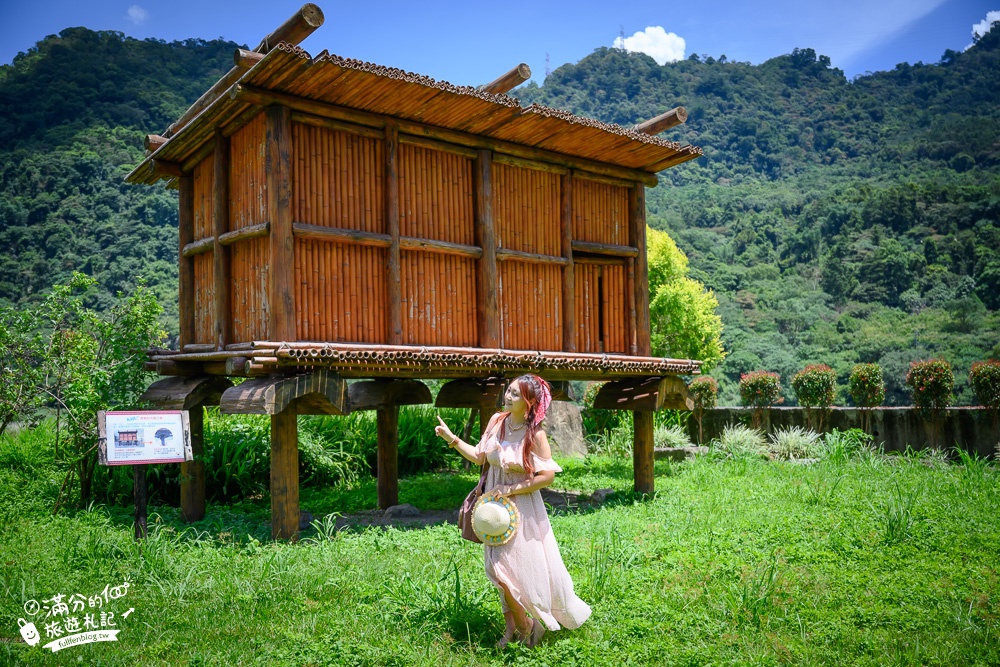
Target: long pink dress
<point>529,565</point>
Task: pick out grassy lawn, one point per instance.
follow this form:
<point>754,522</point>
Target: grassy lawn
<point>872,561</point>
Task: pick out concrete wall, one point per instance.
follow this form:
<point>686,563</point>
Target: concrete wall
<point>894,428</point>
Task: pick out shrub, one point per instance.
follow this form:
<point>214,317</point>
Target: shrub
<point>931,383</point>
<point>705,393</point>
<point>984,376</point>
<point>867,390</point>
<point>740,442</point>
<point>760,390</point>
<point>815,387</point>
<point>794,442</point>
<point>670,436</point>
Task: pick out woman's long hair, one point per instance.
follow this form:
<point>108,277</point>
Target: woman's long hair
<point>537,393</point>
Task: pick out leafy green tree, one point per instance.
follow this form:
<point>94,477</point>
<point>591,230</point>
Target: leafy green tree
<point>682,315</point>
<point>94,361</point>
<point>20,366</point>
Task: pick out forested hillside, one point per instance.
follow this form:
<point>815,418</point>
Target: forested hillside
<point>837,221</point>
<point>73,112</point>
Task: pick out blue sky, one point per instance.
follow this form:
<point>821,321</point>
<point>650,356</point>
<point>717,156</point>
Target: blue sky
<point>473,42</point>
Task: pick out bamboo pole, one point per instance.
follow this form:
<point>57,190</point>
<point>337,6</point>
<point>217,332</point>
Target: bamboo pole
<point>509,80</point>
<point>663,122</point>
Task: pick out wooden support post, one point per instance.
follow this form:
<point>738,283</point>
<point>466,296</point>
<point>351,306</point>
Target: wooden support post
<point>392,226</point>
<point>193,472</point>
<point>642,452</point>
<point>281,292</point>
<point>220,225</point>
<point>185,266</point>
<point>640,293</point>
<point>139,493</point>
<point>569,279</point>
<point>191,394</point>
<point>284,476</point>
<point>488,319</point>
<point>387,424</point>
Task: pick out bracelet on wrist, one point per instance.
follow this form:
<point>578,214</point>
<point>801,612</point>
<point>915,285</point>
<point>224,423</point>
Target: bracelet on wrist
<point>454,441</point>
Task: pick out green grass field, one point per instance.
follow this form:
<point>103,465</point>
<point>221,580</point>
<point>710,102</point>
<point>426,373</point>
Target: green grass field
<point>869,561</point>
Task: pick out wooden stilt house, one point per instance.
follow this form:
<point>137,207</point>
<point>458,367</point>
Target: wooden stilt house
<point>343,220</point>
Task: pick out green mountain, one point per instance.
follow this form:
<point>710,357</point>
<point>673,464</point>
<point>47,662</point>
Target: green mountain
<point>838,221</point>
<point>73,113</point>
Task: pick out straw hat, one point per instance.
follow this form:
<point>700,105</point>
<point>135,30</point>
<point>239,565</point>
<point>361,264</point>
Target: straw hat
<point>495,519</point>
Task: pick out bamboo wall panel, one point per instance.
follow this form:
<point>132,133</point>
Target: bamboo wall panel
<point>435,193</point>
<point>337,179</point>
<point>249,261</point>
<point>438,299</point>
<point>601,308</point>
<point>530,306</point>
<point>526,208</point>
<point>340,292</point>
<point>247,191</point>
<point>600,212</point>
<point>204,273</point>
<point>249,266</point>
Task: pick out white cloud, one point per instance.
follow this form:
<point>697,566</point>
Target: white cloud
<point>983,27</point>
<point>137,14</point>
<point>662,46</point>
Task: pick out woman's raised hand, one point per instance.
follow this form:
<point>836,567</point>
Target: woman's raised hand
<point>444,432</point>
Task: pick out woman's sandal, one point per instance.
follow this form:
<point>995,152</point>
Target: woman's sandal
<point>534,637</point>
<point>507,636</point>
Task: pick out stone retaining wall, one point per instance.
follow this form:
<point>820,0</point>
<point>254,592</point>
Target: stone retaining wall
<point>972,429</point>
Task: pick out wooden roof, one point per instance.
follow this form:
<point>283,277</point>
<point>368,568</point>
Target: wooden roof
<point>287,73</point>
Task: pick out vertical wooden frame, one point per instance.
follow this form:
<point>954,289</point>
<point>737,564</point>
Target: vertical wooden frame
<point>281,294</point>
<point>487,313</point>
<point>222,331</point>
<point>569,280</point>
<point>391,182</point>
<point>640,291</point>
<point>185,266</point>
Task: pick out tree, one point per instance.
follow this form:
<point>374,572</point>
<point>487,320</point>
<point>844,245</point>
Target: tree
<point>683,321</point>
<point>20,364</point>
<point>94,361</point>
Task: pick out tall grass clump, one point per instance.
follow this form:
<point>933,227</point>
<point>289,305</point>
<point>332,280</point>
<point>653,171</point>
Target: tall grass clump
<point>739,442</point>
<point>794,442</point>
<point>841,446</point>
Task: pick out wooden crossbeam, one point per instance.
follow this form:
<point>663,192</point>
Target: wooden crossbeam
<point>319,392</point>
<point>381,394</point>
<point>471,393</point>
<point>644,395</point>
<point>185,393</point>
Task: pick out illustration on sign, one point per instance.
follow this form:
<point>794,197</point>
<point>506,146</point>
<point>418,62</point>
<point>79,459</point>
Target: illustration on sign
<point>144,436</point>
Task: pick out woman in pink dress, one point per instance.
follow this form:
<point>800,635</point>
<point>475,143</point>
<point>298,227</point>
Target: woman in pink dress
<point>535,588</point>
